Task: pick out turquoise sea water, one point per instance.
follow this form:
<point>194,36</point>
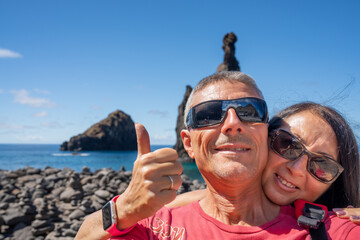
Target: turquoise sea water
<point>15,156</point>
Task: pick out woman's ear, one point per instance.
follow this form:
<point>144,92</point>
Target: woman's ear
<point>185,136</point>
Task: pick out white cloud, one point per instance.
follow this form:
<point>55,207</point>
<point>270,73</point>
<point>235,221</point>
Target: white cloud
<point>160,113</point>
<point>40,114</point>
<point>10,126</point>
<point>16,126</point>
<point>22,97</point>
<point>6,53</point>
<point>53,124</point>
<point>96,107</point>
<point>166,138</point>
<point>29,138</point>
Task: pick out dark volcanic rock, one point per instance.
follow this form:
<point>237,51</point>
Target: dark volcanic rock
<point>230,63</point>
<point>179,146</point>
<point>56,214</point>
<point>116,132</point>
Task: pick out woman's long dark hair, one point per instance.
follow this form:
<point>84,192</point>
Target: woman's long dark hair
<point>345,190</point>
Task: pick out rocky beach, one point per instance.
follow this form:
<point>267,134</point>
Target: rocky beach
<point>51,203</point>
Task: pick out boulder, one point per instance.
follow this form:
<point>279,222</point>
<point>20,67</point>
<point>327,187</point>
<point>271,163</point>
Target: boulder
<point>70,194</point>
<point>23,232</point>
<point>116,132</point>
<point>103,194</point>
<point>77,214</point>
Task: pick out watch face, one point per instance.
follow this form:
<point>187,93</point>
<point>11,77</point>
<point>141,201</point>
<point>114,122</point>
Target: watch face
<point>107,215</point>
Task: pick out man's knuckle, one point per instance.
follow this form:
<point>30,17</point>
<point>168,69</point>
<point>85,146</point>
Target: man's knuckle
<point>180,167</point>
<point>146,158</point>
<point>147,171</point>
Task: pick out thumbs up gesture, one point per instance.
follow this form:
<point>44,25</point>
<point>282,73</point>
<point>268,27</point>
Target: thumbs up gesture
<point>155,179</point>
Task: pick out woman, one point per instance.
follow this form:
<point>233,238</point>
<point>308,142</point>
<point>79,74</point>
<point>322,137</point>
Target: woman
<point>300,128</point>
<point>341,191</point>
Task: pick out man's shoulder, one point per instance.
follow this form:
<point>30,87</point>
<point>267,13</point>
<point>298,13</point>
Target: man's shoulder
<point>191,208</point>
<point>172,214</point>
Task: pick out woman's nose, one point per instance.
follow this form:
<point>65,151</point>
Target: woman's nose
<point>298,166</point>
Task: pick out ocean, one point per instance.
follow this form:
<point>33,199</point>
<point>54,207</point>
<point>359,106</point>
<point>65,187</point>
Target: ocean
<point>15,156</point>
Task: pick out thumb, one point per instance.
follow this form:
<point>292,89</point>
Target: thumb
<point>143,140</point>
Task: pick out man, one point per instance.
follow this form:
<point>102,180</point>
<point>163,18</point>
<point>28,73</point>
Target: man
<point>231,155</point>
<point>226,134</point>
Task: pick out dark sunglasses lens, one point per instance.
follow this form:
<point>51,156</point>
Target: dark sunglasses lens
<point>323,168</point>
<point>288,147</point>
<point>209,113</point>
<point>248,113</point>
<point>248,109</point>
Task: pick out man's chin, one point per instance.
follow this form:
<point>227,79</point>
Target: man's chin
<point>234,171</point>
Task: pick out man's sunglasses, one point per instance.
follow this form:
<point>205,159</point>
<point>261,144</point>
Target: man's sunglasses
<point>253,110</point>
<point>321,167</point>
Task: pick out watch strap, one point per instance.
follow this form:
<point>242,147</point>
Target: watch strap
<point>113,230</point>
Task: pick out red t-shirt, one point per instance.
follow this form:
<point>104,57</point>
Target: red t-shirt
<point>191,222</point>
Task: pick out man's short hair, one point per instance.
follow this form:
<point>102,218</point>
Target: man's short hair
<point>225,76</point>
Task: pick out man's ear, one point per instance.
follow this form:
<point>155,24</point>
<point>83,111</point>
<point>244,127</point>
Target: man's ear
<point>185,136</point>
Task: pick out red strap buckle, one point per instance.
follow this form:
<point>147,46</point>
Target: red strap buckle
<point>308,214</point>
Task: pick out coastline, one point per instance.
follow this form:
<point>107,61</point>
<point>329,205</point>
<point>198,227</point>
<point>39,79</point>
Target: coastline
<point>51,203</point>
<point>17,156</point>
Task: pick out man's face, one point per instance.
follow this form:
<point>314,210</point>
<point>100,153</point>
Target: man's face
<point>232,150</point>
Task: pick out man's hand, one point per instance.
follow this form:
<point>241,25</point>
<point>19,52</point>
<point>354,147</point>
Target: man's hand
<point>149,189</point>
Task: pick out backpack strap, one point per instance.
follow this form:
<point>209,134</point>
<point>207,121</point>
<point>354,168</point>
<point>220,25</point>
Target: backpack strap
<point>311,216</point>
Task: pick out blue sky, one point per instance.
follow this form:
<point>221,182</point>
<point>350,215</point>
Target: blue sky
<point>65,65</point>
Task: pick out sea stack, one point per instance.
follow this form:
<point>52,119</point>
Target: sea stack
<point>230,63</point>
<point>116,132</point>
<point>179,146</point>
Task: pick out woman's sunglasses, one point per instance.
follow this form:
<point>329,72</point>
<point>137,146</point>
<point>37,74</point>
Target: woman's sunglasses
<point>321,167</point>
<point>214,112</point>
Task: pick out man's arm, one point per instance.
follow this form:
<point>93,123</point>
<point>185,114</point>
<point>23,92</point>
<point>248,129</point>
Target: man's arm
<point>92,228</point>
<point>149,190</point>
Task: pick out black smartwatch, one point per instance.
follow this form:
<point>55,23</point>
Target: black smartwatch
<point>110,218</point>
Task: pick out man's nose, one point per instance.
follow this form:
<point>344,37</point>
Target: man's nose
<point>298,166</point>
<point>232,124</point>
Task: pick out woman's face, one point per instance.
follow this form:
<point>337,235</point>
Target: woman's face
<point>285,181</point>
